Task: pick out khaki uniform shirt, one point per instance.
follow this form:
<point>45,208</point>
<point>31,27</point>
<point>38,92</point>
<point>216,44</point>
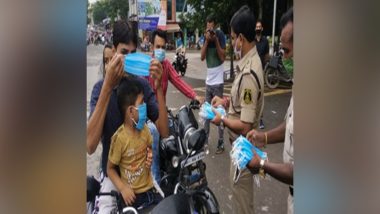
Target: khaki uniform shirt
<point>244,104</point>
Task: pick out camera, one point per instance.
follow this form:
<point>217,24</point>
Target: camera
<point>211,31</point>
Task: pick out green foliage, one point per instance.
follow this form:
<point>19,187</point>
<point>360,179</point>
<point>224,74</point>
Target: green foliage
<point>110,8</point>
<point>223,11</point>
<point>288,64</point>
<point>148,9</point>
<point>99,11</point>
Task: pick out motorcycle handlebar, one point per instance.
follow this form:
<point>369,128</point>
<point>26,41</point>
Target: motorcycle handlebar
<point>194,104</point>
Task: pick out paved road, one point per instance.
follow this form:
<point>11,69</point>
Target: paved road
<point>271,196</point>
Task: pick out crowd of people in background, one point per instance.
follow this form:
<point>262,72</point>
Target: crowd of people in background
<point>99,37</point>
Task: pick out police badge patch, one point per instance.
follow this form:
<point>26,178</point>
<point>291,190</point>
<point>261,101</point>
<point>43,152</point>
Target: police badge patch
<point>247,96</point>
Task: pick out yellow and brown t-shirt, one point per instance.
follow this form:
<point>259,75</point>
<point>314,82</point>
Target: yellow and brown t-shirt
<point>129,151</point>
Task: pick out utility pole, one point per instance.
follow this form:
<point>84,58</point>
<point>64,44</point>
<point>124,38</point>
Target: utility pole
<point>232,61</point>
<point>274,23</point>
<point>133,17</point>
<point>232,74</point>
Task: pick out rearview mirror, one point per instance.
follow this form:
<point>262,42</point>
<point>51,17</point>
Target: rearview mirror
<point>197,140</point>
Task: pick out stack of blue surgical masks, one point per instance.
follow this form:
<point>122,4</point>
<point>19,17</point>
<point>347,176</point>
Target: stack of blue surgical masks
<point>241,152</point>
<point>206,111</point>
<point>137,64</point>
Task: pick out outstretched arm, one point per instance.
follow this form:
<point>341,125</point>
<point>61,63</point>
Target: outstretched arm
<point>280,171</point>
<point>204,47</point>
<point>220,51</point>
<point>275,135</point>
<point>180,84</point>
<point>162,122</point>
<point>95,125</point>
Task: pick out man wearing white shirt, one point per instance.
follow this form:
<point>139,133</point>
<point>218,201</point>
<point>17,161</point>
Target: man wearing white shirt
<point>213,51</point>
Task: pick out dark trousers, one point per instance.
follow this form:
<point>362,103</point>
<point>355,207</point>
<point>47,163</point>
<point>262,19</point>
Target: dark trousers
<point>211,92</point>
<point>146,199</point>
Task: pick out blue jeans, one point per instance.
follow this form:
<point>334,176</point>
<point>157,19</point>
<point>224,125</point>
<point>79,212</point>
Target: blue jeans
<point>146,199</point>
<point>156,152</point>
<point>211,92</point>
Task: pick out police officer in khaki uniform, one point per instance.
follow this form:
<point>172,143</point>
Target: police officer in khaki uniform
<point>246,102</point>
<point>282,133</point>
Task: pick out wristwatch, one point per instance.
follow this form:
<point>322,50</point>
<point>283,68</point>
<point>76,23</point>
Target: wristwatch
<point>262,162</point>
<point>221,121</point>
<point>261,170</point>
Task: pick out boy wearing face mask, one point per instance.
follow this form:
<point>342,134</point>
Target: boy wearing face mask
<point>128,165</point>
<point>169,73</point>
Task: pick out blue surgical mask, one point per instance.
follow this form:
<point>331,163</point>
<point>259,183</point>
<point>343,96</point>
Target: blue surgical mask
<point>142,117</point>
<point>159,54</point>
<point>137,64</point>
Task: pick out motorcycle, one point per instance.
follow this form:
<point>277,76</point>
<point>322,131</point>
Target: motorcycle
<point>182,168</point>
<point>176,204</point>
<point>183,172</point>
<point>98,40</point>
<point>275,72</point>
<point>180,62</point>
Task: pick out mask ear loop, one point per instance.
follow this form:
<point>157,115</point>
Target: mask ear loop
<point>133,120</point>
<point>237,172</point>
<point>241,42</point>
<point>236,175</point>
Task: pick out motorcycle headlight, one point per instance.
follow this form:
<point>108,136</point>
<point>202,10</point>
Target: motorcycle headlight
<point>206,149</point>
<point>175,161</point>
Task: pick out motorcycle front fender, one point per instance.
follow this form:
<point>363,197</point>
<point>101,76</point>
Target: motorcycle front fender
<point>208,198</point>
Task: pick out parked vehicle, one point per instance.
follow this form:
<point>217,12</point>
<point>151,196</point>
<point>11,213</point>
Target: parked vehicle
<point>275,72</point>
<point>180,62</point>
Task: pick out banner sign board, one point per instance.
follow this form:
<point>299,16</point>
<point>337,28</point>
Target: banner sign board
<point>151,14</point>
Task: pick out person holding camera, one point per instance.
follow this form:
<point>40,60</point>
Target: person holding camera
<point>213,51</point>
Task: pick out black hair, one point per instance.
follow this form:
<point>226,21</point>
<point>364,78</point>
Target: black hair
<point>259,20</point>
<point>286,18</point>
<point>107,45</point>
<point>127,92</point>
<point>242,23</point>
<point>159,33</point>
<point>123,32</point>
<point>211,18</point>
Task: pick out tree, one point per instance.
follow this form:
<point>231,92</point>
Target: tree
<point>110,8</point>
<point>89,10</point>
<point>99,11</point>
<point>123,8</point>
<point>223,11</point>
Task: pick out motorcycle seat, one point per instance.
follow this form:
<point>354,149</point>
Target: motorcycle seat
<point>178,203</point>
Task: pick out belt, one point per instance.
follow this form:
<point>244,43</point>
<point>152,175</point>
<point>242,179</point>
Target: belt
<point>291,190</point>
